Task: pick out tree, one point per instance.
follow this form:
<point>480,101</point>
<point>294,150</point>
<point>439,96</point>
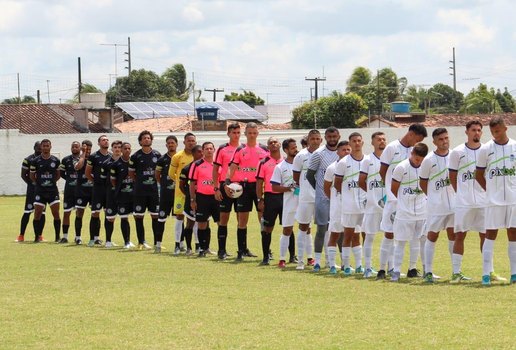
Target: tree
<point>175,84</point>
<point>481,100</point>
<point>248,97</point>
<point>360,78</point>
<point>505,101</point>
<point>445,99</point>
<point>140,85</point>
<point>16,100</point>
<point>337,109</point>
<point>85,89</point>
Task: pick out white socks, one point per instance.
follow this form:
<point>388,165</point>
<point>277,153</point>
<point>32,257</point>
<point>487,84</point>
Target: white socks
<point>429,256</point>
<point>178,228</point>
<point>345,256</point>
<point>318,258</point>
<point>386,249</point>
<point>301,237</point>
<point>283,246</point>
<point>415,248</point>
<point>309,245</point>
<point>399,251</point>
<point>332,252</point>
<point>326,240</point>
<point>450,247</point>
<point>368,250</point>
<point>487,256</point>
<point>456,263</point>
<point>357,253</point>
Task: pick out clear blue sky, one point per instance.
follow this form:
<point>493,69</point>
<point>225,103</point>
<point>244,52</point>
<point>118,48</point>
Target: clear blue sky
<point>265,46</point>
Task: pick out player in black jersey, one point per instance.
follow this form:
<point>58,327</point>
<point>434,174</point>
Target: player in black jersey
<point>69,174</point>
<point>29,196</point>
<point>188,212</point>
<point>111,207</point>
<point>167,186</point>
<point>142,166</point>
<point>123,195</point>
<point>44,173</point>
<point>83,189</point>
<point>98,200</point>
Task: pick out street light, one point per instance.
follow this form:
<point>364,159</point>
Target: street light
<point>116,55</point>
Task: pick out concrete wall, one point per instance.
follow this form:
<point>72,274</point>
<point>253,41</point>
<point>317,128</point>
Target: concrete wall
<point>16,146</point>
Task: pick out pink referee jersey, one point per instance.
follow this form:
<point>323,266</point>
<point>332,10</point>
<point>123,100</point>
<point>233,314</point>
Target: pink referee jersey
<point>265,171</point>
<point>222,158</point>
<point>201,172</point>
<point>247,158</point>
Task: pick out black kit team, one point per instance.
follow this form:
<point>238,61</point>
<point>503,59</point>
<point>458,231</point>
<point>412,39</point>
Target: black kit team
<point>44,173</point>
<point>123,184</point>
<point>98,200</point>
<point>142,166</point>
<point>29,196</point>
<point>166,184</point>
<point>69,174</point>
<point>83,189</point>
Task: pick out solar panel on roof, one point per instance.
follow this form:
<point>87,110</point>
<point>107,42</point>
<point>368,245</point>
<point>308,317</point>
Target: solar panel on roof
<point>237,110</point>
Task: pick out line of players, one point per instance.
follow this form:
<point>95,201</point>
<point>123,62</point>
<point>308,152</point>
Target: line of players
<point>335,185</point>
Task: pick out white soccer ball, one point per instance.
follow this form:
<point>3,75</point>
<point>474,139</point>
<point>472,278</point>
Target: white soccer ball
<point>236,189</point>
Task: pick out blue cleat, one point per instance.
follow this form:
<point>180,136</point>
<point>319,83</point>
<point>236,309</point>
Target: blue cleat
<point>317,268</point>
<point>333,270</point>
<point>486,280</point>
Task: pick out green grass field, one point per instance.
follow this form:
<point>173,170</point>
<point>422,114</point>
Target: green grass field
<point>71,297</point>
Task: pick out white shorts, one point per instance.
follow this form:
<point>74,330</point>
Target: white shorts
<point>371,223</point>
<point>305,212</point>
<point>407,230</point>
<point>352,220</point>
<point>500,216</point>
<point>437,223</point>
<point>470,219</point>
<point>388,216</point>
<point>335,225</point>
<point>288,218</point>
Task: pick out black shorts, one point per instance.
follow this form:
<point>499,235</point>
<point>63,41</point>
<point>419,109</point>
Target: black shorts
<point>273,208</point>
<point>248,197</point>
<point>82,202</point>
<point>98,198</point>
<point>29,199</point>
<point>111,207</point>
<point>148,202</point>
<point>206,207</point>
<point>44,198</point>
<point>69,199</point>
<point>166,204</point>
<point>125,209</point>
<point>227,204</point>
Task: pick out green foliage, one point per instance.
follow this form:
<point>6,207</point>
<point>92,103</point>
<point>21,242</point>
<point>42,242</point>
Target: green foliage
<point>482,101</point>
<point>339,110</point>
<point>249,97</point>
<point>364,84</point>
<point>146,85</point>
<point>505,100</point>
<point>444,99</point>
<point>85,89</point>
<point>16,100</point>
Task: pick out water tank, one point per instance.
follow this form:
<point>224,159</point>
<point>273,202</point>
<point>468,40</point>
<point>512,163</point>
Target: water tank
<point>207,112</point>
<point>400,107</point>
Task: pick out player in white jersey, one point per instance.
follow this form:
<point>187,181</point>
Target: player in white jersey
<point>282,181</point>
<point>371,182</point>
<point>353,200</point>
<point>306,208</point>
<point>317,166</point>
<point>395,152</point>
<point>496,173</point>
<point>470,199</point>
<point>335,225</point>
<point>410,214</point>
<point>435,182</point>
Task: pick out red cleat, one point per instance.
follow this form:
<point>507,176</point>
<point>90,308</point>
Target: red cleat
<point>41,239</point>
<point>20,238</point>
<point>311,262</point>
<point>282,264</point>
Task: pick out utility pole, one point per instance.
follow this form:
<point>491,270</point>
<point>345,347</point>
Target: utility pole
<point>128,53</point>
<point>214,92</point>
<point>48,90</point>
<point>79,77</point>
<point>18,79</point>
<point>453,71</point>
<point>378,104</point>
<point>316,80</point>
<point>38,95</point>
<point>116,55</point>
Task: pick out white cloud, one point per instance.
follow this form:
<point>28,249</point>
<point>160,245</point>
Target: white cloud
<point>192,13</point>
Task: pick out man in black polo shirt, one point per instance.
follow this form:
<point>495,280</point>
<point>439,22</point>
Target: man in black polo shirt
<point>29,196</point>
<point>142,167</point>
<point>98,199</point>
<point>44,174</point>
<point>69,174</point>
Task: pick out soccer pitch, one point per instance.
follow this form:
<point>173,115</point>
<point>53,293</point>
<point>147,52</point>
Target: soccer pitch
<point>72,297</point>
